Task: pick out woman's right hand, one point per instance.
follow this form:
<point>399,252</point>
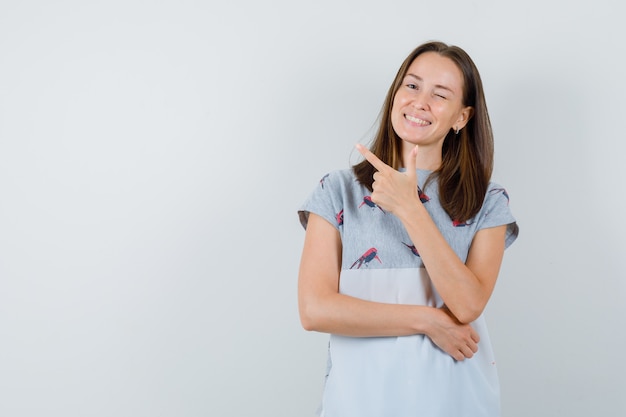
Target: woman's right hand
<point>453,337</point>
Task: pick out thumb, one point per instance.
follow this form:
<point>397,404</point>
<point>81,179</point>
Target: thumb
<point>411,164</point>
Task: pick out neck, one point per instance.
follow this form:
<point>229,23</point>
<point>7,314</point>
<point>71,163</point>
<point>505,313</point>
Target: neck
<point>428,158</point>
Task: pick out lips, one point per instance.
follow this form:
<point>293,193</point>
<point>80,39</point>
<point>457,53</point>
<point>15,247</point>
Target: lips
<point>416,120</point>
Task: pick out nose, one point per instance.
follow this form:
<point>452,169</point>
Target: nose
<point>421,100</point>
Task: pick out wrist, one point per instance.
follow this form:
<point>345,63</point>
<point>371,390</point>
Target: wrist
<point>424,320</point>
<point>411,211</point>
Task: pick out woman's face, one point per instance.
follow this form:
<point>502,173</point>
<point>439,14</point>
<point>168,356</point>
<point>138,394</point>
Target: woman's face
<point>429,102</point>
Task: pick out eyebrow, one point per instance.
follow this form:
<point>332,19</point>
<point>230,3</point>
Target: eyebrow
<point>436,85</point>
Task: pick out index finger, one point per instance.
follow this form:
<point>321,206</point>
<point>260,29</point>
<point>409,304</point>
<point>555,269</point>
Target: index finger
<point>372,159</point>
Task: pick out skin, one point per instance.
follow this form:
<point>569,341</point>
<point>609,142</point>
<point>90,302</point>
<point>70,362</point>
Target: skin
<point>427,105</point>
<point>425,108</point>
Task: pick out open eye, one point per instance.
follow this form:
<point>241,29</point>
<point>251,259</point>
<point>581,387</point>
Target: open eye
<point>412,86</point>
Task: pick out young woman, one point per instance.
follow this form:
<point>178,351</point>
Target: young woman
<point>402,252</point>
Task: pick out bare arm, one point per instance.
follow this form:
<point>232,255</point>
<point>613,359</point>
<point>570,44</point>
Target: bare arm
<point>465,288</point>
<point>324,309</point>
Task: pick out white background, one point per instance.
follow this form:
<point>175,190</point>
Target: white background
<point>153,155</point>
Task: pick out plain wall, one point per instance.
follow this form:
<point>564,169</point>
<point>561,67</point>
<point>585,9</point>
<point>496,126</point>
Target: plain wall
<point>153,156</point>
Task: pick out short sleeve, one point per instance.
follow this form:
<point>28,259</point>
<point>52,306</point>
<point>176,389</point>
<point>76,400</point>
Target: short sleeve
<point>496,212</point>
<point>325,201</point>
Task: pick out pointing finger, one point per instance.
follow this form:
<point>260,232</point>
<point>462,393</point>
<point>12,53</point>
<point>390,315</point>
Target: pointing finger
<point>371,158</point>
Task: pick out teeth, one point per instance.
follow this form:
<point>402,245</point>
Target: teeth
<point>416,120</point>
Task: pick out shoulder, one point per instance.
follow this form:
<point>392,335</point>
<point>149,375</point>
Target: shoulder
<point>330,195</point>
<point>496,191</point>
<point>496,211</point>
<point>339,180</point>
<point>341,175</point>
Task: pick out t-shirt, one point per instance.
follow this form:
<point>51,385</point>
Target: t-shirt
<point>406,376</point>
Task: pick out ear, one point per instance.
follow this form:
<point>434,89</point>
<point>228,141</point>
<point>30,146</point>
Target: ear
<point>464,117</point>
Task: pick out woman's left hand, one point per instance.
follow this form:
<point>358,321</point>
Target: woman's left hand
<point>393,190</point>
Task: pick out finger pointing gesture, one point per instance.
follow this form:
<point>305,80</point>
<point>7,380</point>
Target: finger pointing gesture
<point>392,190</point>
<point>373,159</point>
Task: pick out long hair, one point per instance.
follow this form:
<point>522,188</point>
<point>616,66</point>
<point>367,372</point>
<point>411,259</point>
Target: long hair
<point>467,158</point>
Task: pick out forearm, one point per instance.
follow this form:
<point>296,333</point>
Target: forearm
<point>348,316</point>
<point>341,314</point>
<point>461,290</point>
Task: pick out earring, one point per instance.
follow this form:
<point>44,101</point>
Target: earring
<point>456,130</point>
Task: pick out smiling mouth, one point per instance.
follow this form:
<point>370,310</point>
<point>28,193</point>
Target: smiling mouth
<point>416,120</point>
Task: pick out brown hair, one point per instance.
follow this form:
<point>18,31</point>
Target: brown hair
<point>467,158</point>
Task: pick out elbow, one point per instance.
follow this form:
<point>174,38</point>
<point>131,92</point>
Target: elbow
<point>467,314</point>
<point>468,309</point>
<point>316,314</point>
<point>306,320</point>
<point>309,318</point>
<point>307,324</point>
<point>467,318</point>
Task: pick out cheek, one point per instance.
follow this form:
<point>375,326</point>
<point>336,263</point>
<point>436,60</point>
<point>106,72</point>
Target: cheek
<point>395,105</point>
<point>445,113</point>
<point>396,112</point>
<point>399,102</point>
